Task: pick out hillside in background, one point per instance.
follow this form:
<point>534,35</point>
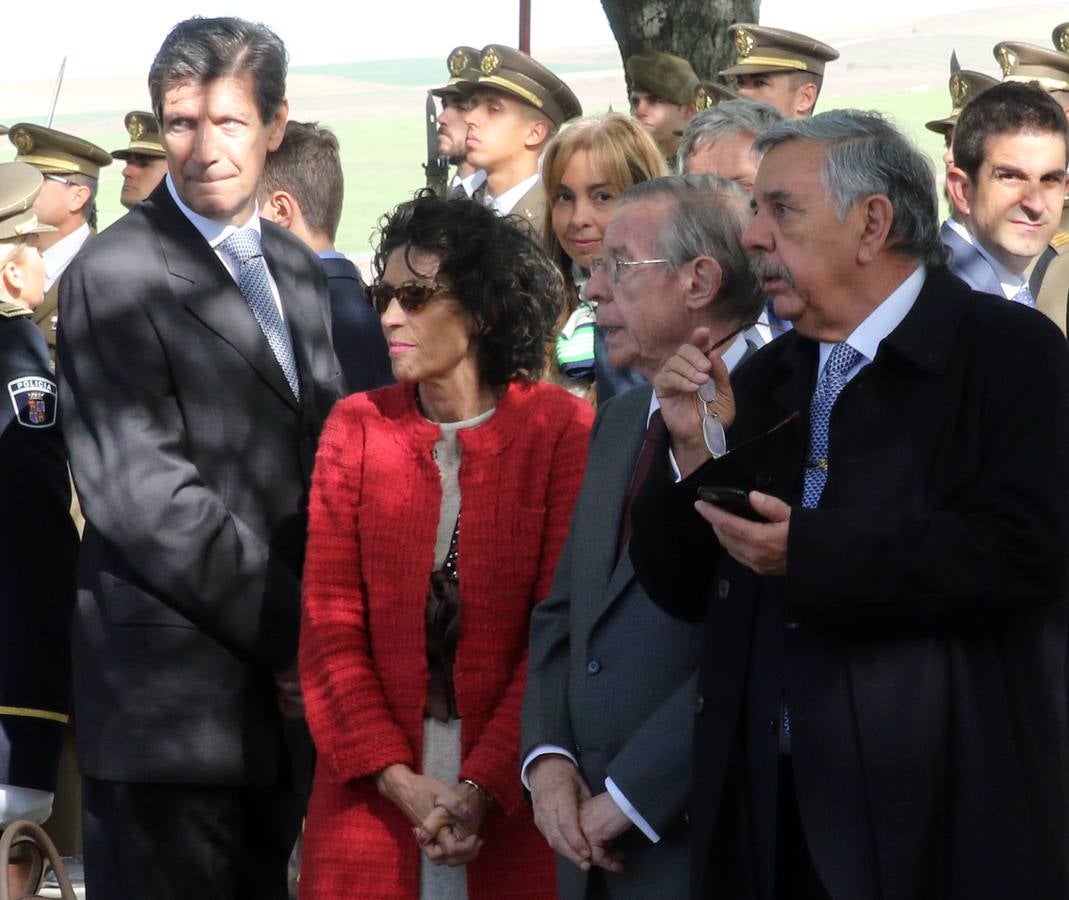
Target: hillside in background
<point>376,108</point>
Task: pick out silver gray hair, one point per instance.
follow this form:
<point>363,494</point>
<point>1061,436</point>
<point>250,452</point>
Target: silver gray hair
<point>867,155</point>
<point>708,215</point>
<point>727,119</point>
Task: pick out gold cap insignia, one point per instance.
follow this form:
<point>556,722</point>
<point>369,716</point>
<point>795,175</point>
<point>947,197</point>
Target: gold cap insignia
<point>702,100</point>
<point>136,128</point>
<point>490,62</point>
<point>1007,59</point>
<point>1061,37</point>
<point>23,140</point>
<point>959,90</point>
<point>744,42</point>
<point>458,62</point>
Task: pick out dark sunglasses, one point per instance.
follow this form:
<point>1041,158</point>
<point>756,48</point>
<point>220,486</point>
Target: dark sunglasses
<point>412,295</point>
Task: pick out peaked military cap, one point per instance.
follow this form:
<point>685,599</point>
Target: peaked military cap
<point>463,66</point>
<point>964,85</point>
<point>667,76</point>
<point>711,94</point>
<point>759,49</point>
<point>1027,62</point>
<point>19,186</point>
<point>1060,37</point>
<point>55,152</point>
<point>518,74</point>
<point>144,133</point>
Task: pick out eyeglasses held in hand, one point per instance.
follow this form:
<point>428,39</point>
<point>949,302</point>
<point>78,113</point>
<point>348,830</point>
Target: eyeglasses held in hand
<point>613,264</point>
<point>412,295</point>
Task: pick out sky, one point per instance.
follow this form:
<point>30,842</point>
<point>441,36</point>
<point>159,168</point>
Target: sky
<point>123,40</point>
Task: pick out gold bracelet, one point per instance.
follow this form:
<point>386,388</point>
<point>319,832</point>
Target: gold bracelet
<point>480,789</point>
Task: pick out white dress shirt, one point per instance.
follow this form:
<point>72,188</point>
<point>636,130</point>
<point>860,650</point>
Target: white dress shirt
<point>217,232</point>
<point>471,183</point>
<point>59,255</point>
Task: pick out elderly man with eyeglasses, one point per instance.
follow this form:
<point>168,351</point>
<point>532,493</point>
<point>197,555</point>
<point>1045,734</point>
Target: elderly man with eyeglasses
<point>67,201</point>
<point>609,709</point>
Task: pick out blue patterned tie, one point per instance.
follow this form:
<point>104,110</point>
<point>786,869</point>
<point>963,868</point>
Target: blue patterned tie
<point>243,246</point>
<point>1024,295</point>
<point>842,360</point>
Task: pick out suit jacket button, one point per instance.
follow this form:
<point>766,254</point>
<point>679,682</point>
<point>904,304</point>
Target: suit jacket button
<point>723,588</point>
<point>699,705</point>
<point>593,667</point>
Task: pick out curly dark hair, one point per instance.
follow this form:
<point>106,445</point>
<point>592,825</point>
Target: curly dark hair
<point>497,271</point>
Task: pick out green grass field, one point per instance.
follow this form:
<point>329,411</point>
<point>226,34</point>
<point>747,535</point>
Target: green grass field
<point>382,157</point>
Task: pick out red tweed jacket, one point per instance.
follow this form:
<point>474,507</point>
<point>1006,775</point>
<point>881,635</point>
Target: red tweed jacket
<point>373,518</point>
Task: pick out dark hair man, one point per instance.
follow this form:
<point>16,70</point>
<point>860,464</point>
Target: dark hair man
<point>67,202</point>
<point>145,161</point>
<point>780,67</point>
<point>196,371</point>
<point>885,645</point>
<point>674,262</point>
<point>455,97</point>
<point>302,190</point>
<point>517,106</point>
<point>1007,184</point>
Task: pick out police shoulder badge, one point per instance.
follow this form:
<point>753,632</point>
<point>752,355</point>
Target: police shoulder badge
<point>34,400</point>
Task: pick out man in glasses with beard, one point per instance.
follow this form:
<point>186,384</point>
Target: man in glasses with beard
<point>882,699</point>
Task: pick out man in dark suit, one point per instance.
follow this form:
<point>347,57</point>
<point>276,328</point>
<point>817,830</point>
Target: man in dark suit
<point>883,707</point>
<point>1007,185</point>
<point>302,190</point>
<point>610,695</point>
<point>196,371</point>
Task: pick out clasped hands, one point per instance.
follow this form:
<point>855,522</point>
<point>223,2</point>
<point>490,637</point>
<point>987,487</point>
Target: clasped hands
<point>446,820</point>
<point>760,546</point>
<point>578,826</point>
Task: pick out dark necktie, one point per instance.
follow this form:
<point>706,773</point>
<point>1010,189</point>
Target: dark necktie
<point>656,432</point>
<point>243,246</point>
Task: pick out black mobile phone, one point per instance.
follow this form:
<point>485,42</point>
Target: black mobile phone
<point>731,499</point>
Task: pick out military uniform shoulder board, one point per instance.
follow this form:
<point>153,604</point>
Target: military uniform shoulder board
<point>1060,241</point>
<point>9,310</point>
<point>34,399</point>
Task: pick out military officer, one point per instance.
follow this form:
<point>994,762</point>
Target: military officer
<point>146,161</point>
<point>39,544</point>
<point>67,202</point>
<point>780,67</point>
<point>517,106</point>
<point>455,97</point>
<point>663,93</point>
<point>1048,276</point>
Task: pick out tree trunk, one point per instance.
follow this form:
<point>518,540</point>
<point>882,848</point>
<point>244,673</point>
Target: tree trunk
<point>696,30</point>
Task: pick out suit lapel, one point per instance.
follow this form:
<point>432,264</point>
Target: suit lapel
<point>623,434</point>
<point>204,286</point>
<point>967,263</point>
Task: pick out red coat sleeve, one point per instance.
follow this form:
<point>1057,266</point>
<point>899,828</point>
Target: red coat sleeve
<point>354,731</point>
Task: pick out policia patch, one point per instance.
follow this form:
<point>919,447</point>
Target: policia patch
<point>34,399</point>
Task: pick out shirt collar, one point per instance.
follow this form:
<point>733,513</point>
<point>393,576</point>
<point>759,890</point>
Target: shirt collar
<point>959,229</point>
<point>884,319</point>
<point>212,231</point>
<point>62,251</point>
<point>512,196</point>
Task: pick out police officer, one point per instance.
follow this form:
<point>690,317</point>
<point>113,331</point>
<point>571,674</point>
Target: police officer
<point>67,202</point>
<point>146,161</point>
<point>1048,276</point>
<point>780,67</point>
<point>38,542</point>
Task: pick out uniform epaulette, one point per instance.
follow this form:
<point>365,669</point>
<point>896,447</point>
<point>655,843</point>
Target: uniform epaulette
<point>9,310</point>
<point>1060,241</point>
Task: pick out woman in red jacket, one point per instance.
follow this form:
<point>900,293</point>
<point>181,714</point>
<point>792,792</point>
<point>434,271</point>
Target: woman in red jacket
<point>438,509</point>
